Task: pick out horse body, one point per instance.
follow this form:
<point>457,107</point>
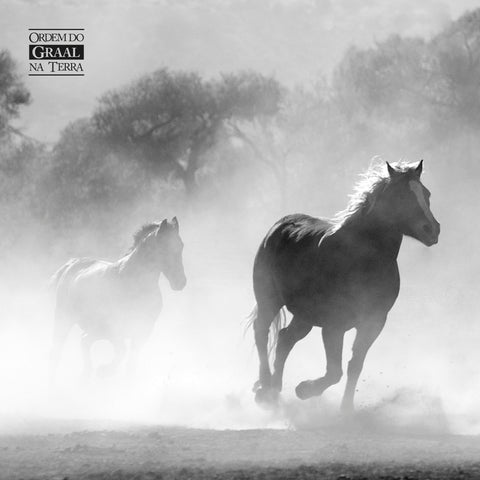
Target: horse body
<point>117,301</point>
<point>337,274</point>
<point>102,299</point>
<point>322,283</point>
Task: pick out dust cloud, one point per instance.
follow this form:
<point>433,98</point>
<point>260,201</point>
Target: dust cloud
<point>199,366</point>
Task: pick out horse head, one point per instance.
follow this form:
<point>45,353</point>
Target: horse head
<point>171,249</point>
<point>407,203</point>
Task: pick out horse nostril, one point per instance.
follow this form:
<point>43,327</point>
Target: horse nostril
<point>427,229</point>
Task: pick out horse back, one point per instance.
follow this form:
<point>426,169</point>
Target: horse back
<point>66,276</point>
<point>285,257</point>
<point>294,232</point>
<point>103,300</point>
<point>70,269</point>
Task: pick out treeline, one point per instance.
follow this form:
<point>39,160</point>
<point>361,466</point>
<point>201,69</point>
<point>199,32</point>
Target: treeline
<point>174,140</point>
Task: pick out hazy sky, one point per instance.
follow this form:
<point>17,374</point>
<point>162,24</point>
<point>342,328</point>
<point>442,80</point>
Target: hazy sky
<point>294,39</point>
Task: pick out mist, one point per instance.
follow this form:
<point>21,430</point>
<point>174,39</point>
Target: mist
<point>326,127</point>
<point>126,39</point>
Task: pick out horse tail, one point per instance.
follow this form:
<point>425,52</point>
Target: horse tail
<point>251,319</point>
<point>279,322</point>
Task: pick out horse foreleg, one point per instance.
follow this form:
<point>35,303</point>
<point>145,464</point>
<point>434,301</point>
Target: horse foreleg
<point>366,335</point>
<point>136,345</point>
<point>86,344</point>
<point>287,338</point>
<point>333,343</point>
<point>119,353</point>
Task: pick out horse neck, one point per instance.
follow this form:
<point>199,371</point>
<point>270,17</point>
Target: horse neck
<point>382,237</point>
<point>138,265</point>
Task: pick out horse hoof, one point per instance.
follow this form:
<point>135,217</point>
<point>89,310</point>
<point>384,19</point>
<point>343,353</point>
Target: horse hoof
<point>266,397</point>
<point>305,390</point>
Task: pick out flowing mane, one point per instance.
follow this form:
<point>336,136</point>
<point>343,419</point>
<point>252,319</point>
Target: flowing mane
<point>142,233</point>
<point>366,191</point>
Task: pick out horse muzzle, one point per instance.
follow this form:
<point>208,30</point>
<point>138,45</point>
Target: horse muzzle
<point>178,284</point>
<point>429,233</point>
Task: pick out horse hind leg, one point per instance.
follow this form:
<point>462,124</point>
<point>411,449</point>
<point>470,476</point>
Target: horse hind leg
<point>287,338</point>
<point>265,315</point>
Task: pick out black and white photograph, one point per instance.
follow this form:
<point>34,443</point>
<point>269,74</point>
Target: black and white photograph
<point>239,239</point>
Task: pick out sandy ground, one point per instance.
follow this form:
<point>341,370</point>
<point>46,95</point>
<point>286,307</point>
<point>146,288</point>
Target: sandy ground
<point>76,451</point>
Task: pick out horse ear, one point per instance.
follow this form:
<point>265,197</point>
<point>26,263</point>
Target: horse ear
<point>391,171</point>
<point>163,225</point>
<point>175,223</point>
<point>419,168</point>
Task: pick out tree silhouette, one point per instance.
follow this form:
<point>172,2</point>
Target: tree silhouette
<point>170,120</point>
<point>13,94</point>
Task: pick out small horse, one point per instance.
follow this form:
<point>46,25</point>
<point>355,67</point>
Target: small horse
<point>337,274</point>
<point>117,301</point>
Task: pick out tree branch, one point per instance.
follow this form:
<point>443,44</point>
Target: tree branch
<point>240,134</point>
<point>155,127</point>
<point>18,132</point>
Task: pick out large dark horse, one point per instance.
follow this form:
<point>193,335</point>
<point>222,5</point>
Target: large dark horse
<point>337,274</point>
<point>117,301</point>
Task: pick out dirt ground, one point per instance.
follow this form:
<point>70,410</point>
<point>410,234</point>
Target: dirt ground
<point>76,451</point>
